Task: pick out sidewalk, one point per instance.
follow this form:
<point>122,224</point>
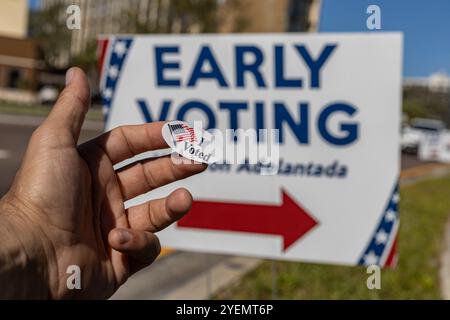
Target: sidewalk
<point>185,275</point>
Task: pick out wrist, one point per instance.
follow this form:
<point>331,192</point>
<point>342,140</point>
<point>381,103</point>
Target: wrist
<point>23,266</point>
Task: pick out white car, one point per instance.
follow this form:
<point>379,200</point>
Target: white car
<point>48,95</point>
<point>411,135</point>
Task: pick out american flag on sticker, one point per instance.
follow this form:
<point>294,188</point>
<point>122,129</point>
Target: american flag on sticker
<point>182,132</point>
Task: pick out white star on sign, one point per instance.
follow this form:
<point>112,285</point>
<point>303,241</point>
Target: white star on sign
<point>104,110</point>
<point>370,259</point>
<point>107,93</point>
<point>120,48</point>
<point>113,72</point>
<point>381,237</point>
<point>395,197</point>
<point>390,215</point>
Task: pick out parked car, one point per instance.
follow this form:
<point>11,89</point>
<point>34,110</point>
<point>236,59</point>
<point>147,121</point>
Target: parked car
<point>48,95</point>
<point>411,134</point>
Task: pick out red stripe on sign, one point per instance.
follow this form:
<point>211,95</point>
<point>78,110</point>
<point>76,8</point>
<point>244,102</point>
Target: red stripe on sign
<point>391,260</point>
<point>102,46</point>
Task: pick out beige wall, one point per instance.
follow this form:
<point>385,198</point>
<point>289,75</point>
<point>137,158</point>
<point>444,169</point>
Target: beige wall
<point>14,18</point>
<point>253,16</point>
<point>265,15</point>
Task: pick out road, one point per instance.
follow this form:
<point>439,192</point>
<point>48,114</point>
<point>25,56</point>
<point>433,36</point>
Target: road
<point>14,139</point>
<point>180,275</point>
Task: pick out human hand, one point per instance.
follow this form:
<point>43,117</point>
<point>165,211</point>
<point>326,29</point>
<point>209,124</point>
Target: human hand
<point>66,204</point>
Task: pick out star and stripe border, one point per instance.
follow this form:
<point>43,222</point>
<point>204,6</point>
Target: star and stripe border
<point>112,54</point>
<point>382,246</point>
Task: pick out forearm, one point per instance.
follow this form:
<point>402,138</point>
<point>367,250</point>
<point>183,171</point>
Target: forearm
<point>23,271</point>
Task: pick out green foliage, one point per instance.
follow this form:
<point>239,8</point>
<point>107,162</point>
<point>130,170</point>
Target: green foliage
<point>414,109</point>
<point>424,211</point>
<point>87,60</point>
<point>420,102</point>
<point>48,28</point>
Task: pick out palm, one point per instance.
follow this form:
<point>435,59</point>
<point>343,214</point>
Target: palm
<point>76,204</point>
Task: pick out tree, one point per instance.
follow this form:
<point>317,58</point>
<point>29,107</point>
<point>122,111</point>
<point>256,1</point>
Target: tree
<point>47,26</point>
<point>420,102</point>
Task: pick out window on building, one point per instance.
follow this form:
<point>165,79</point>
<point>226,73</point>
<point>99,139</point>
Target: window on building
<point>14,78</point>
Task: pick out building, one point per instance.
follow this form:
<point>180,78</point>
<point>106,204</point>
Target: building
<point>438,82</point>
<point>19,56</point>
<point>14,18</point>
<point>269,16</point>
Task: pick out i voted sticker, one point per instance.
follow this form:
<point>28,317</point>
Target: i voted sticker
<point>190,141</point>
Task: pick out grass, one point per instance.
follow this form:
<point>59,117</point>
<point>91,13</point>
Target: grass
<point>94,114</point>
<point>425,208</point>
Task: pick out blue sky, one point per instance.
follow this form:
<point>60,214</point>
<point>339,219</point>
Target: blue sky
<point>33,3</point>
<point>425,23</point>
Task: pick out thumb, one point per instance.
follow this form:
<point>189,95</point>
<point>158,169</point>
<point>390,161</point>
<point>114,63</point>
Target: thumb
<point>72,105</point>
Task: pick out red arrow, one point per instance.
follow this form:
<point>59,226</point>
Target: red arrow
<point>288,220</point>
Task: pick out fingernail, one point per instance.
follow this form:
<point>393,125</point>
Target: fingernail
<point>69,75</point>
<point>124,236</point>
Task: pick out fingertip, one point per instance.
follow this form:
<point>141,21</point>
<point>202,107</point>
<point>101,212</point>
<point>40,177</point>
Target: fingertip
<point>196,167</point>
<point>142,248</point>
<point>69,75</point>
<point>179,202</point>
<point>78,85</point>
<point>156,245</point>
<point>202,166</point>
<point>75,74</point>
<point>118,238</point>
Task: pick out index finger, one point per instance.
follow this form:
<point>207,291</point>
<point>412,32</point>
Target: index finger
<point>128,141</point>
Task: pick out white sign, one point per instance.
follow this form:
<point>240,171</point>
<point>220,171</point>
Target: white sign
<point>335,99</point>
